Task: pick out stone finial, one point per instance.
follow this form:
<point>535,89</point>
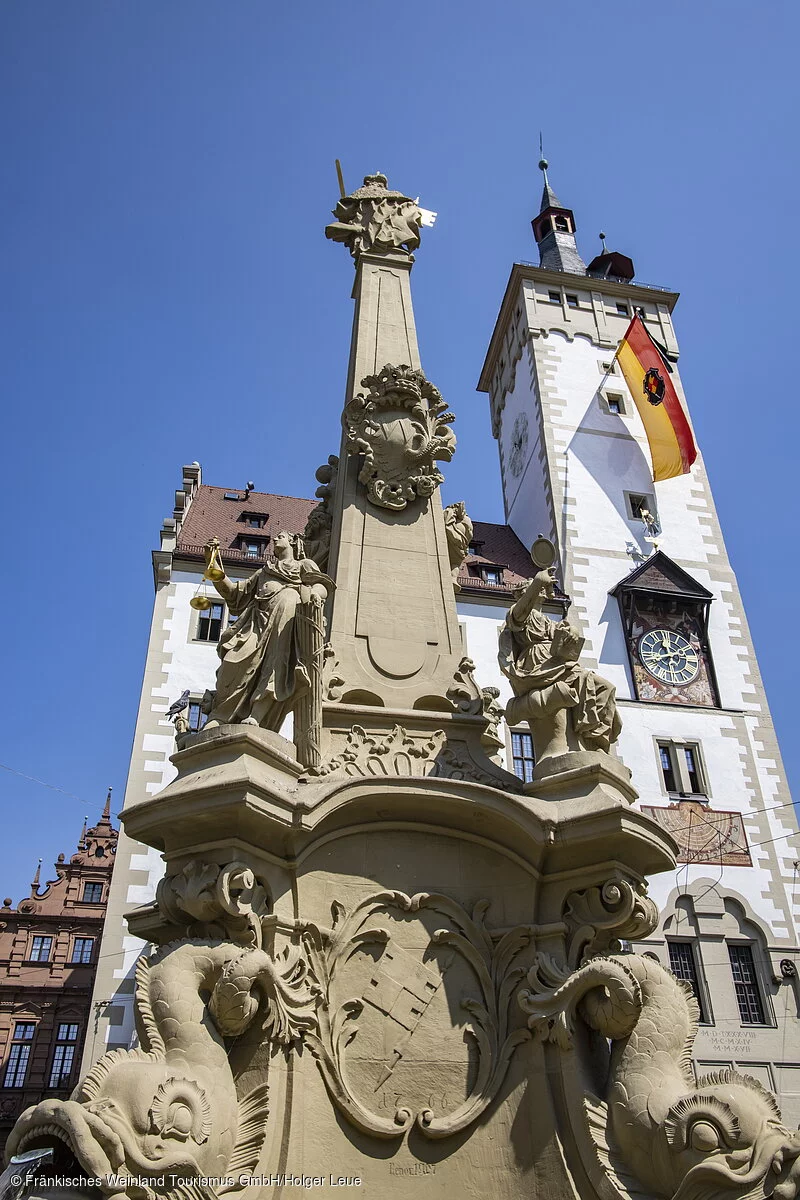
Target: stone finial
<point>374,219</point>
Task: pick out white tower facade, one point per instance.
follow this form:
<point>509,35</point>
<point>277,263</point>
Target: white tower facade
<point>640,559</point>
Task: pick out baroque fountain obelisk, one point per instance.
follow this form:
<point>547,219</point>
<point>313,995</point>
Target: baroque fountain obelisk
<point>378,961</point>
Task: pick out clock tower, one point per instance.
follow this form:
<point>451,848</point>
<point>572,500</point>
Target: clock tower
<point>655,594</point>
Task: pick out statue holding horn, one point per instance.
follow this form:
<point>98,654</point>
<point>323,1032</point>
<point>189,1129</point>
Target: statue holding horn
<point>567,706</point>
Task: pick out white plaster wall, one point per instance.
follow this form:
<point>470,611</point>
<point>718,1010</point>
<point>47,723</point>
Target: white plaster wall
<point>524,494</point>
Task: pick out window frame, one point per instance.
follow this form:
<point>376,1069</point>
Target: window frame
<point>523,758</point>
<point>203,616</point>
<point>81,962</point>
<point>196,702</point>
<point>698,982</point>
<point>67,1045</point>
<point>92,883</point>
<point>19,1044</point>
<point>767,1018</point>
<point>682,790</point>
<point>34,952</point>
<point>649,502</point>
<point>605,405</point>
<point>487,569</point>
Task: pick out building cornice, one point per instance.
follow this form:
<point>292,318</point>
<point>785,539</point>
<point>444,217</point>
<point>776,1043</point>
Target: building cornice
<point>523,271</point>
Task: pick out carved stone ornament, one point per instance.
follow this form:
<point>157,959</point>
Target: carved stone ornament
<point>719,1138</point>
<point>168,1112</point>
<point>207,899</point>
<point>459,530</point>
<point>317,533</point>
<point>405,993</point>
<point>405,754</point>
<point>566,706</point>
<point>402,428</point>
<point>376,219</point>
<point>599,918</point>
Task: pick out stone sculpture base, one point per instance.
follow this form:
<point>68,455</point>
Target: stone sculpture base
<point>419,903</point>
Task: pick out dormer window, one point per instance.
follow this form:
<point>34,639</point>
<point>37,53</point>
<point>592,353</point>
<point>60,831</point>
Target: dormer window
<point>474,548</point>
<point>492,574</point>
<point>252,547</point>
<point>254,520</point>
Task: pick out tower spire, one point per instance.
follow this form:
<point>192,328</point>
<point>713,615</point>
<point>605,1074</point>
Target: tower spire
<point>554,230</point>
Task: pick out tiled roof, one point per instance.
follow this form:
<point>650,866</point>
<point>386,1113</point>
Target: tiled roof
<point>210,514</point>
<point>498,546</point>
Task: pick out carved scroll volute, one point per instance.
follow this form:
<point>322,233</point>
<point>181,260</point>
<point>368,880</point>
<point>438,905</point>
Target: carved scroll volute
<point>209,899</point>
<point>600,918</point>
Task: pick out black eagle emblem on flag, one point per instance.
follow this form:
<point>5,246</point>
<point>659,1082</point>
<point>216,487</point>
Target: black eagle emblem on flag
<point>653,386</point>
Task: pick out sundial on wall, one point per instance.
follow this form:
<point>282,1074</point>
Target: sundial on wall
<point>519,443</point>
<point>703,835</point>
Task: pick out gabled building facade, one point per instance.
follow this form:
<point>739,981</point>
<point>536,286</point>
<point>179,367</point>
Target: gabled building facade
<point>49,950</point>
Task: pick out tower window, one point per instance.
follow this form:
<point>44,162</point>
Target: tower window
<point>613,402</point>
<point>562,223</point>
<point>682,768</point>
<point>572,300</point>
<point>638,503</point>
<point>209,624</point>
<point>40,949</point>
<point>522,756</point>
<point>608,368</point>
<point>667,769</point>
<point>745,983</point>
<point>554,297</point>
<point>20,1052</point>
<point>92,893</point>
<point>622,308</point>
<point>683,966</point>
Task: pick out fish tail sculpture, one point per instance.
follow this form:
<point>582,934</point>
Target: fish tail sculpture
<point>169,1108</point>
<point>720,1138</point>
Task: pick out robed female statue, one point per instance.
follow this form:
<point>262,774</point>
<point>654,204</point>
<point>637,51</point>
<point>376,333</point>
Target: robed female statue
<point>271,652</point>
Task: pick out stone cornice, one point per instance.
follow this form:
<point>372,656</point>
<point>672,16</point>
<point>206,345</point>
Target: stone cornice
<point>520,272</point>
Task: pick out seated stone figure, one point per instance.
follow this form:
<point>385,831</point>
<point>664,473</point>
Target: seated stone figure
<point>264,670</point>
<point>552,692</point>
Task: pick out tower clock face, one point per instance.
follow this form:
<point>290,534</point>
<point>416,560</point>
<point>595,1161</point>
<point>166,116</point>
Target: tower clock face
<point>519,443</point>
<point>669,656</point>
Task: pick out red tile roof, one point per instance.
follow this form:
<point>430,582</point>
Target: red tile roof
<point>210,514</point>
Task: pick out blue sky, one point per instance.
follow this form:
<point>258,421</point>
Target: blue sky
<point>167,293</point>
